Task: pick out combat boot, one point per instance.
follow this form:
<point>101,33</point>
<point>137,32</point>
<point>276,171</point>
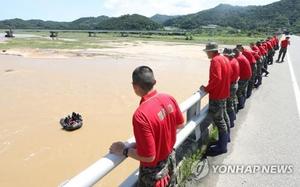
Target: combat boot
<point>221,147</point>
<point>232,117</point>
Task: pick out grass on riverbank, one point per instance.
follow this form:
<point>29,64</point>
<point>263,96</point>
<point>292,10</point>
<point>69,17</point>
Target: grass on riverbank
<point>189,161</point>
<point>80,40</point>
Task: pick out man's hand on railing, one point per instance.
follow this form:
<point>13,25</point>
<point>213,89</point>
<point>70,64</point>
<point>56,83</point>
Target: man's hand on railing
<point>202,90</point>
<point>117,148</point>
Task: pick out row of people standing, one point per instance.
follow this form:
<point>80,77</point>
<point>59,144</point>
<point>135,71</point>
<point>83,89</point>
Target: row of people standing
<point>158,116</point>
<point>232,78</point>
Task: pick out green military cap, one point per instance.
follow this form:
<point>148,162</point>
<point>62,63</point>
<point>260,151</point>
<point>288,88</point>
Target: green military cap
<point>211,46</point>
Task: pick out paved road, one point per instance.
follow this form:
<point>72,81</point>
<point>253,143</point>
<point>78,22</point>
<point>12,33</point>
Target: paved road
<point>267,131</point>
<point>295,56</point>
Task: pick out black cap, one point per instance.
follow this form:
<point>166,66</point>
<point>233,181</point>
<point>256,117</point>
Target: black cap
<point>235,51</point>
<point>228,52</point>
<point>239,46</point>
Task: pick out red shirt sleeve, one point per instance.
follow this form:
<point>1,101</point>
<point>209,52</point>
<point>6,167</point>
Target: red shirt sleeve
<point>143,134</point>
<point>215,75</point>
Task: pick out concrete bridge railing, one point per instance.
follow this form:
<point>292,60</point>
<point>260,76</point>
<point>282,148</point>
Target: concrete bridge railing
<point>194,118</point>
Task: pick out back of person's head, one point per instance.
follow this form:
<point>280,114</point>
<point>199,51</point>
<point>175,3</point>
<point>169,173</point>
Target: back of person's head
<point>240,47</point>
<point>228,52</point>
<point>236,52</point>
<point>143,77</point>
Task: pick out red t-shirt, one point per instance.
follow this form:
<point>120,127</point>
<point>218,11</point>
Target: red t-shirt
<point>269,45</point>
<point>276,40</point>
<point>255,54</point>
<point>247,53</point>
<point>262,50</point>
<point>284,43</point>
<point>245,67</point>
<point>219,78</point>
<point>235,67</point>
<point>154,124</point>
<point>273,41</point>
<point>265,47</point>
<point>256,49</point>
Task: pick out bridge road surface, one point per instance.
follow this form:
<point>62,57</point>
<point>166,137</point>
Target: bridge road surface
<point>267,131</point>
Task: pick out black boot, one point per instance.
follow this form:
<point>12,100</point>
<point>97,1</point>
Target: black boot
<point>228,139</point>
<point>221,147</point>
<point>232,117</point>
<point>249,90</point>
<point>241,103</point>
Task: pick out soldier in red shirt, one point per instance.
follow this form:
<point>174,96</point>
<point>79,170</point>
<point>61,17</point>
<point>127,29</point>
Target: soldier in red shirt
<point>283,48</point>
<point>271,51</point>
<point>276,42</point>
<point>232,100</point>
<point>218,89</point>
<point>264,58</point>
<point>257,55</point>
<point>248,54</point>
<point>155,122</point>
<point>245,76</point>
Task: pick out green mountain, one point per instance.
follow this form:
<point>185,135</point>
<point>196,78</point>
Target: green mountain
<point>87,23</point>
<point>161,19</point>
<point>281,14</point>
<point>129,22</point>
<point>32,24</point>
<point>126,22</point>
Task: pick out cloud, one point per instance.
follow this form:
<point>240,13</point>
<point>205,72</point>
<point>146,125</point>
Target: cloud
<point>151,7</point>
<point>169,7</point>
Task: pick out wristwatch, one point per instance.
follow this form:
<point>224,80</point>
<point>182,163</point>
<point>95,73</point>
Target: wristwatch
<point>125,152</point>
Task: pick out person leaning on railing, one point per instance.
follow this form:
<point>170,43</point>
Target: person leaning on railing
<point>270,49</point>
<point>245,76</point>
<point>218,89</point>
<point>155,122</point>
<point>247,53</point>
<point>263,53</point>
<point>231,102</point>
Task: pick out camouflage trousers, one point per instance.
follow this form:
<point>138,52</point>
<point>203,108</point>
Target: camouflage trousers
<point>258,78</point>
<point>149,176</point>
<point>265,62</point>
<point>270,56</point>
<point>282,52</point>
<point>259,66</point>
<point>252,80</point>
<point>231,102</point>
<point>218,115</point>
<point>242,88</point>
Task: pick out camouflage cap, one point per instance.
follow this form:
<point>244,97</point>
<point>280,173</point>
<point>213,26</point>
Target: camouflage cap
<point>211,46</point>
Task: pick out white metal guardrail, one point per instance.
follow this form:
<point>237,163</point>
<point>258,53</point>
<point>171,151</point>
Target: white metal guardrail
<point>102,167</point>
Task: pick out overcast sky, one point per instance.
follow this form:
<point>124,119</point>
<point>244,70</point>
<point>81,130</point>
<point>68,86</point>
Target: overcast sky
<point>69,10</point>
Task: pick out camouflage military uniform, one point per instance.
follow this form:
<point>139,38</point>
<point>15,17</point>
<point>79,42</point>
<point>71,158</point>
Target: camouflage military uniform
<point>148,176</point>
<point>270,56</point>
<point>232,100</point>
<point>258,78</point>
<point>216,113</point>
<point>252,80</point>
<point>242,88</point>
<point>265,62</point>
<point>241,93</point>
